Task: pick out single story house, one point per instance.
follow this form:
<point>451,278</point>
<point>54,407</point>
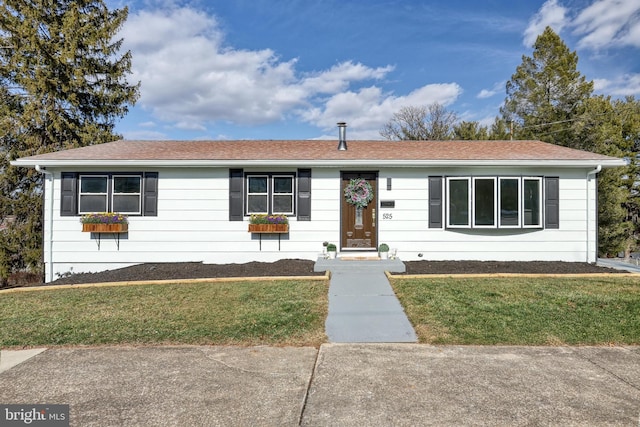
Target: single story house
<point>429,200</point>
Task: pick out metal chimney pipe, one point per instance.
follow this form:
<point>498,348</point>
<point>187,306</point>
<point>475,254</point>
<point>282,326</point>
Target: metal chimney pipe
<point>342,133</point>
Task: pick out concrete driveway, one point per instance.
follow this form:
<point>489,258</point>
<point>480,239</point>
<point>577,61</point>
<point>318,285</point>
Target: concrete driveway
<point>337,385</point>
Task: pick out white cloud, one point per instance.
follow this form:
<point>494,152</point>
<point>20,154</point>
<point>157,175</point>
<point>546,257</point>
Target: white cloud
<point>488,93</point>
<point>604,23</point>
<point>339,76</point>
<point>368,109</point>
<point>551,14</point>
<point>627,84</point>
<point>607,23</point>
<point>190,78</point>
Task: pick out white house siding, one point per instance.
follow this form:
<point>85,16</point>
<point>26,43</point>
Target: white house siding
<point>193,224</point>
<point>408,230</point>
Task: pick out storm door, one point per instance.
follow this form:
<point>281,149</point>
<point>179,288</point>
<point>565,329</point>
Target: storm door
<point>359,201</point>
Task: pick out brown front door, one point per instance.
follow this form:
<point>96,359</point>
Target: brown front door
<point>359,222</point>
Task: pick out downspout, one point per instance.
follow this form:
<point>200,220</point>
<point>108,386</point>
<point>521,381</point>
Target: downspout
<point>49,262</point>
<point>592,172</point>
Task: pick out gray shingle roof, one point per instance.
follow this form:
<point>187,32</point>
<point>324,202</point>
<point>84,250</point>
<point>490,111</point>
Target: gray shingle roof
<point>317,151</point>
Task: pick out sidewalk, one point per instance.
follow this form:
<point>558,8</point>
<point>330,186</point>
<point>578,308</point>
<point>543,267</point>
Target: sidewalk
<point>362,305</point>
<point>336,385</point>
<point>618,264</point>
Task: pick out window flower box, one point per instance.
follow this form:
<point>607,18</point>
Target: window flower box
<point>269,224</point>
<point>104,222</point>
<point>268,228</point>
<point>105,228</point>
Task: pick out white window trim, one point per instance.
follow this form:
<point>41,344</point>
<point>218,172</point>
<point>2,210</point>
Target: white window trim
<point>520,202</point>
<point>139,194</point>
<point>540,201</point>
<point>80,193</point>
<point>474,199</point>
<point>448,201</point>
<point>292,194</point>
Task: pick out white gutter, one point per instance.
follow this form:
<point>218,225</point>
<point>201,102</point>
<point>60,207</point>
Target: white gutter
<point>589,174</point>
<point>372,163</point>
<point>49,262</point>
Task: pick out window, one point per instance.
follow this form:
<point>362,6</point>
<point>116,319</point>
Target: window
<point>509,194</point>
<point>532,202</point>
<point>126,196</point>
<point>270,194</point>
<point>257,194</point>
<point>492,202</point>
<point>484,207</point>
<point>459,196</point>
<point>110,193</point>
<point>282,200</point>
<point>93,193</point>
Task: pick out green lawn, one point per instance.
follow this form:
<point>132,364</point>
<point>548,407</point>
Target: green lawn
<point>523,311</point>
<point>286,312</point>
<point>484,311</point>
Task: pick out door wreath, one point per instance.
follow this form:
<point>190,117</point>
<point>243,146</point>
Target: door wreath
<point>358,192</point>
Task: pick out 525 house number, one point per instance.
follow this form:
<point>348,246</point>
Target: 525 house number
<point>387,216</point>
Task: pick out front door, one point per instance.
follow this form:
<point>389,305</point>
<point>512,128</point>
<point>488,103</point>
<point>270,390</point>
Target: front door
<point>359,210</point>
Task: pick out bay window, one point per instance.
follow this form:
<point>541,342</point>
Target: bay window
<point>494,202</point>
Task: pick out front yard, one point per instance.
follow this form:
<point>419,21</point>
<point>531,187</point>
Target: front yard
<point>284,312</point>
<point>480,311</point>
<point>523,311</point>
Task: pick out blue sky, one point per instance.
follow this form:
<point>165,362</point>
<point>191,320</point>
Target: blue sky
<point>276,69</point>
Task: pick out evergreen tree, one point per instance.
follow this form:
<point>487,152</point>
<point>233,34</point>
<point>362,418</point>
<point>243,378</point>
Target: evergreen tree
<point>547,92</point>
<point>470,131</point>
<point>500,130</point>
<point>62,84</point>
<point>600,128</point>
<point>628,113</point>
<point>548,99</point>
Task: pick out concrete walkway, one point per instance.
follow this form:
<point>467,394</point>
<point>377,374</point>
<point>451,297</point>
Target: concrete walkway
<point>362,305</point>
<point>618,264</point>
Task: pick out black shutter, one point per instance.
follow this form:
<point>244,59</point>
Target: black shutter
<point>551,202</point>
<point>69,194</point>
<point>435,202</point>
<point>236,181</point>
<point>304,194</point>
<point>150,201</point>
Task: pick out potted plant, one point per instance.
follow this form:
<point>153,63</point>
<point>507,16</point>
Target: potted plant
<point>104,222</point>
<point>332,250</point>
<point>383,251</point>
<point>261,223</point>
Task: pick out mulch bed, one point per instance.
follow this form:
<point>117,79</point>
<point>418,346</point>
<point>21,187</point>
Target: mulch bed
<point>300,267</point>
<point>489,267</point>
<point>194,270</point>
